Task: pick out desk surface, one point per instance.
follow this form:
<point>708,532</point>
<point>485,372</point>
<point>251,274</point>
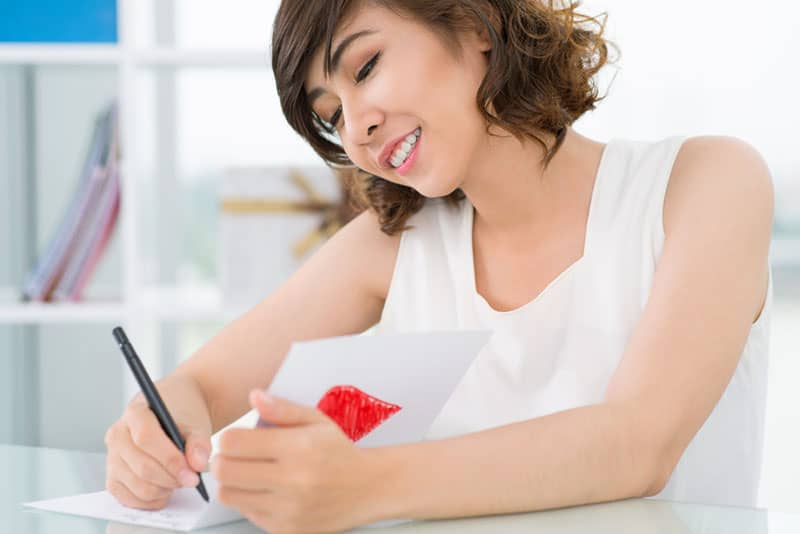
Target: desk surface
<point>32,474</point>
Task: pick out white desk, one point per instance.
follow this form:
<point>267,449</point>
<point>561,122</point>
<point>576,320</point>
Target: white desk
<point>32,473</point>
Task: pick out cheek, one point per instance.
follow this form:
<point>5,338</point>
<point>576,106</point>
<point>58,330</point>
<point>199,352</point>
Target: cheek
<point>447,103</point>
<point>361,158</point>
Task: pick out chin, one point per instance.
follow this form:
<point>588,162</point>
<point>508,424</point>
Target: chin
<point>437,191</point>
<point>438,188</point>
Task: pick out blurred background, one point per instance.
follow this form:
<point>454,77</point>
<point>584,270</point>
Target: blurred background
<point>188,83</point>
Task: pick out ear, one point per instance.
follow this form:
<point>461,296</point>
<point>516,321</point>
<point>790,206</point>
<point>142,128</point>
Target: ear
<point>478,39</point>
<point>484,42</point>
<point>480,32</point>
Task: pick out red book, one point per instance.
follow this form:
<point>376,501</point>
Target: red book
<point>106,228</point>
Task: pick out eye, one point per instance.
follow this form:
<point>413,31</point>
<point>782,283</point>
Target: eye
<point>362,74</point>
<point>335,117</point>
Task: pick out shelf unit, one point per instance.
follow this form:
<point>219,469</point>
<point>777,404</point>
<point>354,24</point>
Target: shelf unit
<point>141,302</point>
<point>127,57</point>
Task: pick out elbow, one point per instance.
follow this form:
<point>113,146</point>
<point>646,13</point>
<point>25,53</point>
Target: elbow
<point>647,459</point>
<point>655,484</point>
<point>662,467</point>
<point>647,477</point>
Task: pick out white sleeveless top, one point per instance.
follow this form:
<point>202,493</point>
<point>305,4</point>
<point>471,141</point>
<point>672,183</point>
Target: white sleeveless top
<point>560,350</point>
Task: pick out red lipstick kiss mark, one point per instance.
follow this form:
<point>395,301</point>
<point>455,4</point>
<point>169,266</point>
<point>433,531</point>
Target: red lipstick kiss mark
<point>356,412</point>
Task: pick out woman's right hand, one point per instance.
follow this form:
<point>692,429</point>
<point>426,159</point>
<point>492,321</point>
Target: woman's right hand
<point>143,466</point>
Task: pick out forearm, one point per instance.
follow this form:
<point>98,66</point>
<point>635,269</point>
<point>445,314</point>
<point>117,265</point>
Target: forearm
<point>579,456</point>
<point>184,398</point>
<point>240,357</point>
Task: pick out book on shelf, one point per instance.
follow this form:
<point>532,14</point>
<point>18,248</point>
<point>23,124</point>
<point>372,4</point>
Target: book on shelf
<point>77,244</point>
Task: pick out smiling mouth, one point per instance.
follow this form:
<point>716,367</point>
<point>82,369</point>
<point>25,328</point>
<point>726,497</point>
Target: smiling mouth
<point>404,148</point>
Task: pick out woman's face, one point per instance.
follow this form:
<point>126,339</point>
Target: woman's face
<point>393,79</point>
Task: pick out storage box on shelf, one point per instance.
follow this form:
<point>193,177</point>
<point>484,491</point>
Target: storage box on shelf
<point>271,220</point>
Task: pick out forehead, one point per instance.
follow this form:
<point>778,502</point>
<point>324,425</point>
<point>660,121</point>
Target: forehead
<point>365,16</point>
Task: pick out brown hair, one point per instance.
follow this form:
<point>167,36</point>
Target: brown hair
<point>539,77</point>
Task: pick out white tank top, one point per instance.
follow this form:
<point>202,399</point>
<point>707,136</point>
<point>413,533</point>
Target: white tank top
<point>560,350</point>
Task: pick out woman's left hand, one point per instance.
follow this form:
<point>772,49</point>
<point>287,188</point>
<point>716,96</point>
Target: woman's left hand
<point>301,475</point>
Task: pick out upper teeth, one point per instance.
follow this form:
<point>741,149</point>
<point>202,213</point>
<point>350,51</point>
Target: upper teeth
<point>404,148</point>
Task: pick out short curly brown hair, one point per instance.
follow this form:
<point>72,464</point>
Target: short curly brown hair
<point>539,78</point>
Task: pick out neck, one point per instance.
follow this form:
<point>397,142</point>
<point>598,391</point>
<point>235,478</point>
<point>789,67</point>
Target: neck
<point>513,194</point>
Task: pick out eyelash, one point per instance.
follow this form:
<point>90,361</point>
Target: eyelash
<point>362,74</point>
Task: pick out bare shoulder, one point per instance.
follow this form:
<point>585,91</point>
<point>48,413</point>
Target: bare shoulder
<point>721,189</point>
<point>719,171</point>
<point>363,240</point>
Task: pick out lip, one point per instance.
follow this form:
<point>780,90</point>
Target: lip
<point>388,150</point>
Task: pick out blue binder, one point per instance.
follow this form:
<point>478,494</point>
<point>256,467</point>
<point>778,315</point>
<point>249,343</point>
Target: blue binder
<point>58,21</point>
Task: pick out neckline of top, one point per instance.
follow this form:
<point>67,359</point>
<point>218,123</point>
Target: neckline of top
<point>468,231</point>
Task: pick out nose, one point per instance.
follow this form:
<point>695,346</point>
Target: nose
<point>363,120</point>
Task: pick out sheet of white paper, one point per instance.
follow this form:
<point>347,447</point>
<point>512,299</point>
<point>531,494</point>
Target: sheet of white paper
<point>186,509</point>
<point>417,371</point>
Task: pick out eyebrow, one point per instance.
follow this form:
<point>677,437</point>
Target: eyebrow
<point>335,59</point>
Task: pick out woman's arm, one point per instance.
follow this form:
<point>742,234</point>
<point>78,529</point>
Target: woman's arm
<point>340,290</point>
<point>708,289</point>
<point>578,456</point>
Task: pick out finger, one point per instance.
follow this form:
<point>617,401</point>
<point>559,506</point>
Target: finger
<point>283,411</point>
<point>121,492</point>
<point>251,475</point>
<point>260,502</point>
<point>144,491</point>
<point>142,464</point>
<point>198,449</point>
<point>260,443</point>
<point>147,434</point>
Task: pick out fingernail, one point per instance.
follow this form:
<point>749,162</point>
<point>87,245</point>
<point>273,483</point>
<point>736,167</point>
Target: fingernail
<point>201,456</point>
<point>188,479</point>
<point>267,397</point>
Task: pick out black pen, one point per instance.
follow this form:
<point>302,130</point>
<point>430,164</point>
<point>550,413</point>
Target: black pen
<point>153,398</point>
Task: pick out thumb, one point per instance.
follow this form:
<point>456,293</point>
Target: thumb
<point>280,411</point>
<point>198,449</point>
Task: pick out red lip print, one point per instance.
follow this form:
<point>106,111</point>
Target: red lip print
<point>356,412</point>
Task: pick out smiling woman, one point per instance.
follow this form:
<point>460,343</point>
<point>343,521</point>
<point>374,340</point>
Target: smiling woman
<point>626,284</point>
<point>537,79</point>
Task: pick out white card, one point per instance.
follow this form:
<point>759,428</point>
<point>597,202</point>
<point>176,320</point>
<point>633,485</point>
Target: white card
<point>186,509</point>
<point>415,371</point>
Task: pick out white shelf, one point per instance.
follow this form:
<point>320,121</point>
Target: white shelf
<point>204,303</point>
<point>113,55</point>
<point>59,54</point>
<point>155,303</point>
<point>201,58</point>
<point>35,312</point>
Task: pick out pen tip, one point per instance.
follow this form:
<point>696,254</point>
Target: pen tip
<point>202,489</point>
